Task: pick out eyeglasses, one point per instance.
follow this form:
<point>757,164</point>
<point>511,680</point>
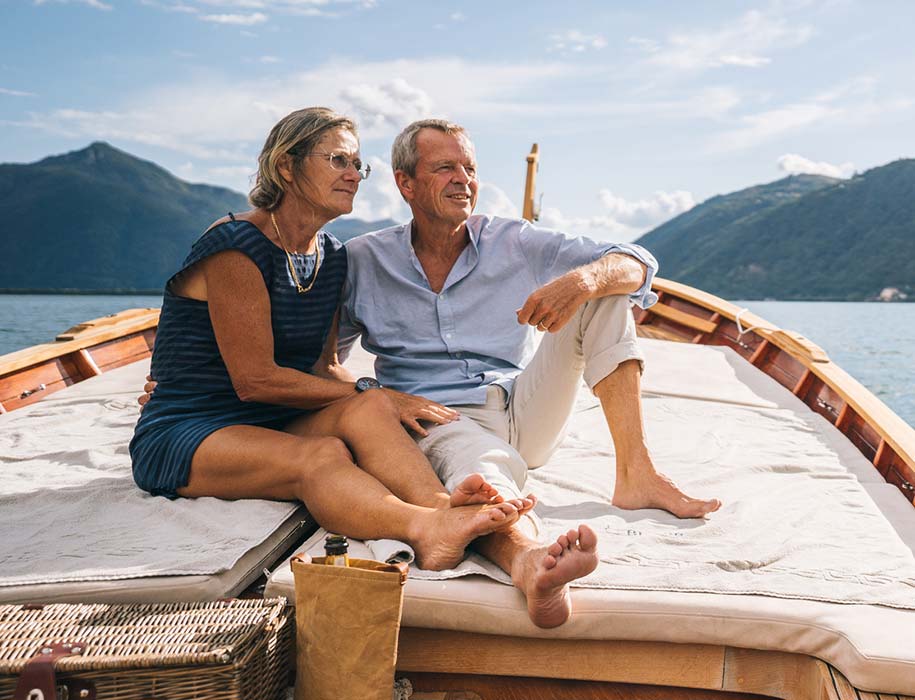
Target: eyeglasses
<point>341,161</point>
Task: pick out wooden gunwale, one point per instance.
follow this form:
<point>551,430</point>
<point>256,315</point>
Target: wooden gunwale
<point>81,352</point>
<point>804,368</point>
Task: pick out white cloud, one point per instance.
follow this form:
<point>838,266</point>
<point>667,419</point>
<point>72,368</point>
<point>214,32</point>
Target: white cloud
<point>393,103</point>
<point>575,41</point>
<point>649,212</point>
<point>742,43</point>
<point>853,103</point>
<point>457,17</point>
<point>494,201</point>
<point>624,220</point>
<point>378,197</point>
<point>793,164</point>
<point>16,93</point>
<point>306,8</point>
<point>270,60</point>
<point>744,60</point>
<point>235,19</point>
<point>185,171</point>
<point>96,4</point>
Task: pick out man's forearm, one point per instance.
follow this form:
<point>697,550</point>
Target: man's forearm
<point>616,273</point>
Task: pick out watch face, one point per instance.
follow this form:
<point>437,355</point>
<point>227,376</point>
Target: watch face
<point>364,383</point>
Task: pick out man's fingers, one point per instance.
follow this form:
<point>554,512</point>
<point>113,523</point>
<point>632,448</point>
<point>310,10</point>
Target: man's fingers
<point>143,399</point>
<point>149,378</point>
<point>414,425</point>
<point>527,311</point>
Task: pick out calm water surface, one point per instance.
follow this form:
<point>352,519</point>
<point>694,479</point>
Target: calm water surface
<point>875,343</point>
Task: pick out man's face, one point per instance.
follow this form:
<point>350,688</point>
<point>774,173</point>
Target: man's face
<point>444,188</point>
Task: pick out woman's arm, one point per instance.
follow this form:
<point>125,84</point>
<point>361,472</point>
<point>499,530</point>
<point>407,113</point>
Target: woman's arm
<point>329,365</point>
<point>240,312</point>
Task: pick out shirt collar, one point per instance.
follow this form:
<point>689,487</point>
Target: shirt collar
<point>474,229</point>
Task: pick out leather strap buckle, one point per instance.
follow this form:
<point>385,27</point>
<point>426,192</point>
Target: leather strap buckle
<point>38,680</point>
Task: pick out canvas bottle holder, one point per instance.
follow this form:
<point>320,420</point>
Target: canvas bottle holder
<point>347,622</point>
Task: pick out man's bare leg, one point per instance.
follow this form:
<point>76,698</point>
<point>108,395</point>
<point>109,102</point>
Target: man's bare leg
<point>638,483</point>
<point>543,572</point>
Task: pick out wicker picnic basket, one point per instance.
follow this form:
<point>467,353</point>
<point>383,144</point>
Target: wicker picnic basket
<point>224,650</point>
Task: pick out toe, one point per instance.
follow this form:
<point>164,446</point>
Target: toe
<point>587,538</point>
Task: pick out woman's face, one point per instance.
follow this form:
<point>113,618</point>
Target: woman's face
<point>327,190</point>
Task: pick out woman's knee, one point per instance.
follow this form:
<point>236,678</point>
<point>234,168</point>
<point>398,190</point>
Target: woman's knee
<point>367,408</point>
<point>315,455</point>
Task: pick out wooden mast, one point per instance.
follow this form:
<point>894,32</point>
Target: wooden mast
<point>528,209</point>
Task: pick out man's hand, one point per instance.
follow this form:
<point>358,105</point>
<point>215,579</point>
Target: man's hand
<point>553,305</point>
<point>148,388</point>
<point>413,409</point>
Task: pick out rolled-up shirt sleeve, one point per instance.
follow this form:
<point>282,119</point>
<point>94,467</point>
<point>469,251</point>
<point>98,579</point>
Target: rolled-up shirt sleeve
<point>553,253</point>
<point>643,296</point>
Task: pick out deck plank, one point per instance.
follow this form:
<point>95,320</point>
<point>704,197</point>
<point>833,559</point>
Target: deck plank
<point>447,686</point>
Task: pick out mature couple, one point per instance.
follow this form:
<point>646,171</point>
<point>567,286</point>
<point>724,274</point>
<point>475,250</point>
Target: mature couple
<point>252,400</point>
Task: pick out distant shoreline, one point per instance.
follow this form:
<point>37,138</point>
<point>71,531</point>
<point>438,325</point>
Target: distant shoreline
<point>159,292</point>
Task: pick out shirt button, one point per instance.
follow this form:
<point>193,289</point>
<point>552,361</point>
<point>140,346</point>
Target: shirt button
<point>448,335</point>
<point>459,355</point>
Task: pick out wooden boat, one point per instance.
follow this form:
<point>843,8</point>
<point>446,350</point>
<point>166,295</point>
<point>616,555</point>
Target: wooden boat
<point>449,664</point>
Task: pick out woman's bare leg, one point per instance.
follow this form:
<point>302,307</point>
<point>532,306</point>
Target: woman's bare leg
<point>251,462</point>
<point>369,425</point>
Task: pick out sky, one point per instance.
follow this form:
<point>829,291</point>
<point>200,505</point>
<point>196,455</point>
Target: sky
<point>641,110</point>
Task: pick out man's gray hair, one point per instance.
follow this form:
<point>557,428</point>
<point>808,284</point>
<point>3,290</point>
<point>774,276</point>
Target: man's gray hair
<point>403,152</point>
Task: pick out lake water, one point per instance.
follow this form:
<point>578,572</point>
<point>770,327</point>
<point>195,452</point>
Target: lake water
<point>875,343</point>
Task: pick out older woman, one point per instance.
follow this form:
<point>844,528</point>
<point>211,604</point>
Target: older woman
<point>249,406</point>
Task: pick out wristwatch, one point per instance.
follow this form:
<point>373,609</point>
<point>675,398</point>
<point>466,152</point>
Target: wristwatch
<point>366,383</point>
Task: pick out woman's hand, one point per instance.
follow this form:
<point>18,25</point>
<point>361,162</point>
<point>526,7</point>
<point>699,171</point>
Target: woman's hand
<point>413,409</point>
<point>148,389</point>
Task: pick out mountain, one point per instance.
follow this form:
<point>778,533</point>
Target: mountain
<point>102,219</point>
<point>802,237</point>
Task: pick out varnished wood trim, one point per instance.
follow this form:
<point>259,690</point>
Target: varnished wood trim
<point>799,387</point>
<point>87,367</point>
<point>758,353</point>
<point>108,328</point>
<point>651,663</point>
<point>683,318</point>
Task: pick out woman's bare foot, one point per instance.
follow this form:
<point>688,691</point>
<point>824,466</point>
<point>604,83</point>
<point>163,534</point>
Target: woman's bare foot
<point>441,536</point>
<point>643,487</point>
<point>544,574</point>
<point>474,489</point>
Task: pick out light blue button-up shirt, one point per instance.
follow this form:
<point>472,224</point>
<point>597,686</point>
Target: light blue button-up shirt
<point>450,346</point>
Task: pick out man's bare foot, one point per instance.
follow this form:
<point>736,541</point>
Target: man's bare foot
<point>442,535</point>
<point>646,488</point>
<point>474,489</point>
<point>544,574</point>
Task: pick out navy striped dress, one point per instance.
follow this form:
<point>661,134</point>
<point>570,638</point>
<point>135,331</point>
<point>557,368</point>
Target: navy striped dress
<point>194,396</point>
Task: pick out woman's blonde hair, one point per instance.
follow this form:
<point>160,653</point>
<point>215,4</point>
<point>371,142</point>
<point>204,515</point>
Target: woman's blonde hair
<point>296,134</point>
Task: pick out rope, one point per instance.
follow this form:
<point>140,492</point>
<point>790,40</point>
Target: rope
<point>741,331</point>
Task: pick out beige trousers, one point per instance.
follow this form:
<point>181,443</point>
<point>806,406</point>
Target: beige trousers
<point>503,438</point>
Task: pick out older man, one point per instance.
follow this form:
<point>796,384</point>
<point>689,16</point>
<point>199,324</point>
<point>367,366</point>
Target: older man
<point>448,304</point>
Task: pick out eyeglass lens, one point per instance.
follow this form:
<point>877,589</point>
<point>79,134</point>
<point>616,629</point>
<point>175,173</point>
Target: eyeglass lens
<point>338,161</point>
